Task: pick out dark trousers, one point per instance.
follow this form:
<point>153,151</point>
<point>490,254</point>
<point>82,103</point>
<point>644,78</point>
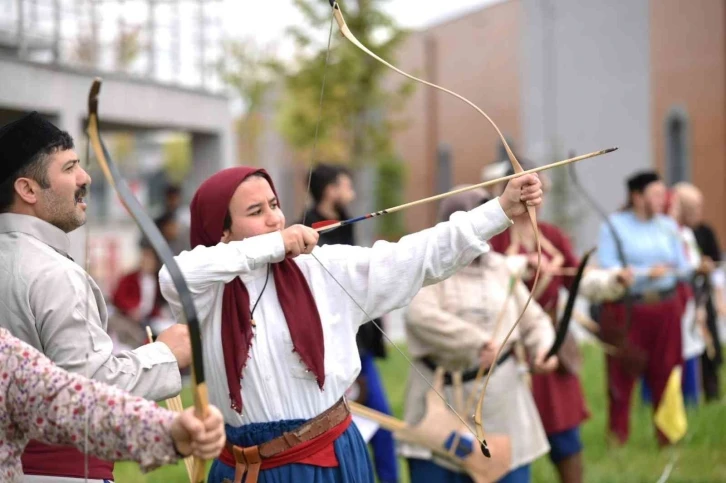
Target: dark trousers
<point>384,446</point>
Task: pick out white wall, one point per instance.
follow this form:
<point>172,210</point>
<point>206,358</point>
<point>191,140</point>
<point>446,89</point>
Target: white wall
<point>585,87</point>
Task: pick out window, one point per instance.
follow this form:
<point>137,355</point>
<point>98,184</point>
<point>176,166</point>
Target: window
<point>678,160</point>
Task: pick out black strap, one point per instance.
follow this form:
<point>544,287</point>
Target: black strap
<point>467,375</point>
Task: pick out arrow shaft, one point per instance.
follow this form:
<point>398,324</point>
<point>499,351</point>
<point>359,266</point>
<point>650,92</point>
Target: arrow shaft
<point>462,190</point>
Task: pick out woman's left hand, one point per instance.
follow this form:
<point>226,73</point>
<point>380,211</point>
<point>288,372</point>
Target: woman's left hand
<point>526,189</point>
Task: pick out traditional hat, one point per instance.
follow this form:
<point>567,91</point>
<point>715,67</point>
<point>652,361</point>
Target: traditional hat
<point>639,181</point>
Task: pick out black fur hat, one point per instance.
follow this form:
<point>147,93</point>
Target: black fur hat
<point>22,139</point>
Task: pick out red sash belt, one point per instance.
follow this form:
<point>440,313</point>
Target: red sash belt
<point>318,451</point>
<point>51,460</point>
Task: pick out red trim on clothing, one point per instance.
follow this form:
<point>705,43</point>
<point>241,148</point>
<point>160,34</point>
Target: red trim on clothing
<point>53,460</point>
<point>318,451</point>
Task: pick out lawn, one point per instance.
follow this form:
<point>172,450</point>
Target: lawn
<point>699,458</point>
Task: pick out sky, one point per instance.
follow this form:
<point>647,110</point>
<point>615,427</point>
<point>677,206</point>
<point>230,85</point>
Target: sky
<point>257,20</point>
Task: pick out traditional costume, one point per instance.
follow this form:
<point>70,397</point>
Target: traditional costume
<point>655,325</point>
<point>52,304</point>
<point>446,326</point>
<point>41,401</point>
<point>280,380</point>
<point>712,285</point>
<point>559,395</point>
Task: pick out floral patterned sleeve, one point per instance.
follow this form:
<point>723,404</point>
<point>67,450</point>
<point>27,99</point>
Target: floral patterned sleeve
<point>51,405</point>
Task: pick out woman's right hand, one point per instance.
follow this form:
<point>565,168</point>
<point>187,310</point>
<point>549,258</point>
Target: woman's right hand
<point>299,239</point>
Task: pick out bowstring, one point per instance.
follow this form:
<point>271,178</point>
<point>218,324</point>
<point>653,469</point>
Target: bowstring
<point>370,319</point>
<point>388,339</point>
<point>320,116</point>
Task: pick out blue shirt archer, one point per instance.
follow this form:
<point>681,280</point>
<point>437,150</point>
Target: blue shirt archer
<point>645,244</point>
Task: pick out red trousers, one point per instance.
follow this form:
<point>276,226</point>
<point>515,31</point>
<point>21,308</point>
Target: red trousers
<point>655,329</point>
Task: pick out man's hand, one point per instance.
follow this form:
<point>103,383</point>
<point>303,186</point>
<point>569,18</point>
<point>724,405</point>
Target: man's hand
<point>176,338</point>
<point>299,239</point>
<point>707,266</point>
<point>658,271</point>
<point>625,277</point>
<point>541,366</point>
<point>527,189</point>
<point>487,353</point>
<point>203,439</point>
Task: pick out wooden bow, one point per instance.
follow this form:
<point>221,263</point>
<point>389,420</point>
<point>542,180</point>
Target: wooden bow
<point>345,31</point>
<point>564,323</point>
<point>157,241</point>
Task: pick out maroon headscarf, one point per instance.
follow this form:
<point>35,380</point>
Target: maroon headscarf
<point>209,208</point>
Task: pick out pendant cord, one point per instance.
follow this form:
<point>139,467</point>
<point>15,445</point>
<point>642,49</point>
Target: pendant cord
<point>267,277</point>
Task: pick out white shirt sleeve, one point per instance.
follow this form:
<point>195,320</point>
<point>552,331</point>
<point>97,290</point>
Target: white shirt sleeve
<point>204,268</point>
<point>387,275</point>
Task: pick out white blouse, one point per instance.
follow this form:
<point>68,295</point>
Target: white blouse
<point>275,384</point>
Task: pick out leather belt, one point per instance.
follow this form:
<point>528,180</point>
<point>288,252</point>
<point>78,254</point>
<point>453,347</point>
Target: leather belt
<point>467,375</point>
<point>653,296</point>
<point>249,459</point>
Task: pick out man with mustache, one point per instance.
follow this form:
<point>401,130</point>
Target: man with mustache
<point>50,302</point>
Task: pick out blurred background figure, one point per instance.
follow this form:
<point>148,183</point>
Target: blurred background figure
<point>175,233</point>
<point>654,249</point>
<point>332,192</point>
<point>137,303</point>
<point>173,203</point>
<point>710,282</point>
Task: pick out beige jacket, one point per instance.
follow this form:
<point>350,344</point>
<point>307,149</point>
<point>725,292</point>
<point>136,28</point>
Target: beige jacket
<point>450,321</point>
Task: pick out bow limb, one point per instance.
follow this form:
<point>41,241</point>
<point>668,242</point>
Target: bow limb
<point>157,241</point>
<point>564,323</point>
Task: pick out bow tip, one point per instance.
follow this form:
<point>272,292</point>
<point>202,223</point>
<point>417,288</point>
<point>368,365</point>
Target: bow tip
<point>93,95</point>
<point>484,448</point>
<point>610,150</point>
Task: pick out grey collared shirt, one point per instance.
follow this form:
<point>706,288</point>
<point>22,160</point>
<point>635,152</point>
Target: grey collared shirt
<point>50,302</point>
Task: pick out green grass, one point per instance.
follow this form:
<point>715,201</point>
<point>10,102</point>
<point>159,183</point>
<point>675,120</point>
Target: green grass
<point>699,458</point>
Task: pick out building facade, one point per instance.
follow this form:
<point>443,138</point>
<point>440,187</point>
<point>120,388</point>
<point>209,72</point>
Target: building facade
<point>572,76</point>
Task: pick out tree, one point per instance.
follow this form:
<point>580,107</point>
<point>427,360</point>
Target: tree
<point>354,127</point>
<point>250,71</point>
<point>128,48</point>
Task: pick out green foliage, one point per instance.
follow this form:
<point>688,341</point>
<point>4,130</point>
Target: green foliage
<point>698,458</point>
<point>128,48</point>
<point>391,173</point>
<point>354,126</point>
<point>250,70</point>
<point>177,158</point>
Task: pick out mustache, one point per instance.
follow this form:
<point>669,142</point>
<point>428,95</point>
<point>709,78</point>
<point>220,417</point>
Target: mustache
<point>82,191</point>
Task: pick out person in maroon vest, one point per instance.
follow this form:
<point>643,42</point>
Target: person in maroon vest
<point>50,302</point>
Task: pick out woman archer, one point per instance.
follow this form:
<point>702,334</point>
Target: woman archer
<point>280,315</point>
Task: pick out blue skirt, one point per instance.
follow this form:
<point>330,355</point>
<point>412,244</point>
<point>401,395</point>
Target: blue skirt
<point>350,448</point>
